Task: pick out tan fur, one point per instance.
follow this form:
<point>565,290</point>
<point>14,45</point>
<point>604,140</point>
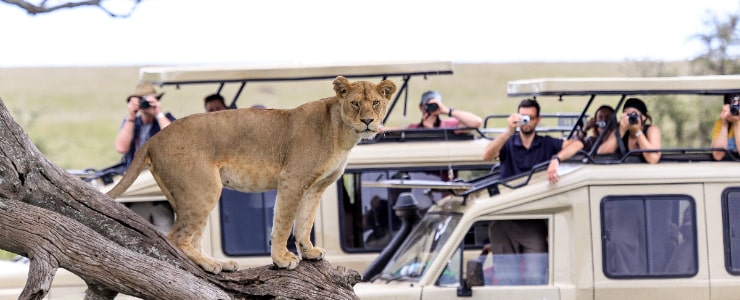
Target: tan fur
<point>299,151</point>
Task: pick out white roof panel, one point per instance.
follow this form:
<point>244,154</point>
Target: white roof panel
<point>236,73</point>
<point>713,85</point>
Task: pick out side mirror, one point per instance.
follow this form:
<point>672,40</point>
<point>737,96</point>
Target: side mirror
<point>473,277</point>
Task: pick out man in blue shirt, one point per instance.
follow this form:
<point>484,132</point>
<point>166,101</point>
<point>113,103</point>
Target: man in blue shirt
<point>523,242</point>
<point>520,152</point>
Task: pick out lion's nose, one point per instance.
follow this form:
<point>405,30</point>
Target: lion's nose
<point>367,121</point>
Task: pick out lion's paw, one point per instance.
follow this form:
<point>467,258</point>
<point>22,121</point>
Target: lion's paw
<point>314,254</point>
<point>229,266</point>
<point>211,266</point>
<point>285,260</point>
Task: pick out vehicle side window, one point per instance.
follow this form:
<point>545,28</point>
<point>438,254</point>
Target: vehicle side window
<point>514,252</point>
<point>731,224</point>
<point>246,222</point>
<point>649,236</point>
<point>368,221</point>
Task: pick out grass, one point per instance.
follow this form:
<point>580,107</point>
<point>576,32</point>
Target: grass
<point>73,114</point>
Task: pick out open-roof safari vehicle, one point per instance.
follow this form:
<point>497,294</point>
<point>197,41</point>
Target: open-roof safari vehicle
<point>353,236</point>
<point>615,228</point>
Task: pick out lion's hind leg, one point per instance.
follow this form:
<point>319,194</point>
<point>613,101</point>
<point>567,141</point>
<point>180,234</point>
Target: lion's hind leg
<point>193,196</point>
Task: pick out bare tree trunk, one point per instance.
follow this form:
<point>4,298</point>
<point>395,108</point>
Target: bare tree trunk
<point>59,221</point>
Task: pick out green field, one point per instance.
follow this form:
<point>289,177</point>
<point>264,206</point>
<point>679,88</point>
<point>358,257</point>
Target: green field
<point>73,114</point>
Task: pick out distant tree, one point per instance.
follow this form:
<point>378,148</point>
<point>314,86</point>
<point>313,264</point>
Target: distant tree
<point>721,41</point>
<point>45,6</point>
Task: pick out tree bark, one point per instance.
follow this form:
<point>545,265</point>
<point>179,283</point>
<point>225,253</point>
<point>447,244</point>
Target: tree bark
<point>59,221</point>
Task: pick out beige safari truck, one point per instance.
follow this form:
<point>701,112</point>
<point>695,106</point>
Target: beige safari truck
<point>355,221</point>
<point>611,228</point>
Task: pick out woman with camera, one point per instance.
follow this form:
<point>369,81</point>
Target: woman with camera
<point>136,130</point>
<point>726,133</point>
<point>637,132</point>
<point>432,108</point>
<point>597,125</point>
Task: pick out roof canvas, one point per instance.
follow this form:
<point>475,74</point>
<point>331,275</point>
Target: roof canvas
<point>237,73</point>
<point>709,85</point>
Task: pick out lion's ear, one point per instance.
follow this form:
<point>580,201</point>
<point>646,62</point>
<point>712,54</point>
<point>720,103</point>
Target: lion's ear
<point>341,86</point>
<point>386,88</point>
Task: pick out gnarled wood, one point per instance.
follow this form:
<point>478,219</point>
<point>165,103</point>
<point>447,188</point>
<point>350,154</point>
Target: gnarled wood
<point>59,221</point>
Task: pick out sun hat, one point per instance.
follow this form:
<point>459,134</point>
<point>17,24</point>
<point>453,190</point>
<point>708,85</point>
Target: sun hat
<point>144,89</point>
<point>429,95</point>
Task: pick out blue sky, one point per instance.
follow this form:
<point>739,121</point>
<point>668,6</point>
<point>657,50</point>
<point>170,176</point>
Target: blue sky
<point>164,32</point>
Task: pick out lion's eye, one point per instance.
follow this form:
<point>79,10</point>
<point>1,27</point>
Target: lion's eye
<point>376,103</point>
<point>355,104</point>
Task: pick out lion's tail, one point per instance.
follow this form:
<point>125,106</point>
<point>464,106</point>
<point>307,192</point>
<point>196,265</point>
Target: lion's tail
<point>141,160</point>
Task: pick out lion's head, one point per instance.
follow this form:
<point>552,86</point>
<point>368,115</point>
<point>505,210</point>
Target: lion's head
<point>364,104</point>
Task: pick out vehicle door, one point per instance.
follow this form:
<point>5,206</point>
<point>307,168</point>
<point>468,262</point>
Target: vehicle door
<point>505,274</point>
<point>649,242</point>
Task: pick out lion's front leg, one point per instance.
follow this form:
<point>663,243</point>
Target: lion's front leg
<point>282,224</point>
<point>303,224</point>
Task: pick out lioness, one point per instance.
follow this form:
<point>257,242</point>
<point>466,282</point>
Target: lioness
<point>299,151</point>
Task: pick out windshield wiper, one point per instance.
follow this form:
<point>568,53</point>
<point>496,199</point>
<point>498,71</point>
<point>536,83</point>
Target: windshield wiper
<point>390,278</point>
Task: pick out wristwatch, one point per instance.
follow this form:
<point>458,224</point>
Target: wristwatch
<point>638,134</point>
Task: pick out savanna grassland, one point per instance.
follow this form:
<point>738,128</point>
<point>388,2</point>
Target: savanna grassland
<point>73,114</point>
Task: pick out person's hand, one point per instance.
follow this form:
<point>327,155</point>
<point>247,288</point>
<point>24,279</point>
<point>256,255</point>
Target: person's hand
<point>513,121</point>
<point>590,124</point>
<point>133,106</point>
<point>442,109</point>
<point>552,171</point>
<point>727,116</point>
<point>624,124</point>
<point>486,249</point>
<point>154,106</point>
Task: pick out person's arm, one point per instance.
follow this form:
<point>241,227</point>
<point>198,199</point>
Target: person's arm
<point>493,148</point>
<point>126,132</point>
<point>569,149</point>
<point>649,141</point>
<point>161,117</point>
<point>163,120</point>
<point>466,118</point>
<point>736,129</point>
<point>720,139</point>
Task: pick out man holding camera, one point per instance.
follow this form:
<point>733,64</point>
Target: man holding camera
<point>726,133</point>
<point>136,130</point>
<point>432,108</point>
<point>520,152</point>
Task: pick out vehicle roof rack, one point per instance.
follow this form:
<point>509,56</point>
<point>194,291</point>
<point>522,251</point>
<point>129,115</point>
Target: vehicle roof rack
<point>175,75</point>
<point>702,85</point>
<point>243,73</point>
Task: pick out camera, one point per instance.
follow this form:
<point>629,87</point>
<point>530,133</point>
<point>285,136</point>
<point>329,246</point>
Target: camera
<point>143,103</point>
<point>632,118</point>
<point>735,106</point>
<point>431,107</point>
<point>601,124</point>
<point>524,120</point>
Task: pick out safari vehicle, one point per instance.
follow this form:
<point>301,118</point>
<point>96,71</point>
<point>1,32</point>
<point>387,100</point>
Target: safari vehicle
<point>354,222</point>
<point>616,228</point>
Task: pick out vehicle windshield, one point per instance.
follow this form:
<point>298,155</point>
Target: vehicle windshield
<point>421,247</point>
